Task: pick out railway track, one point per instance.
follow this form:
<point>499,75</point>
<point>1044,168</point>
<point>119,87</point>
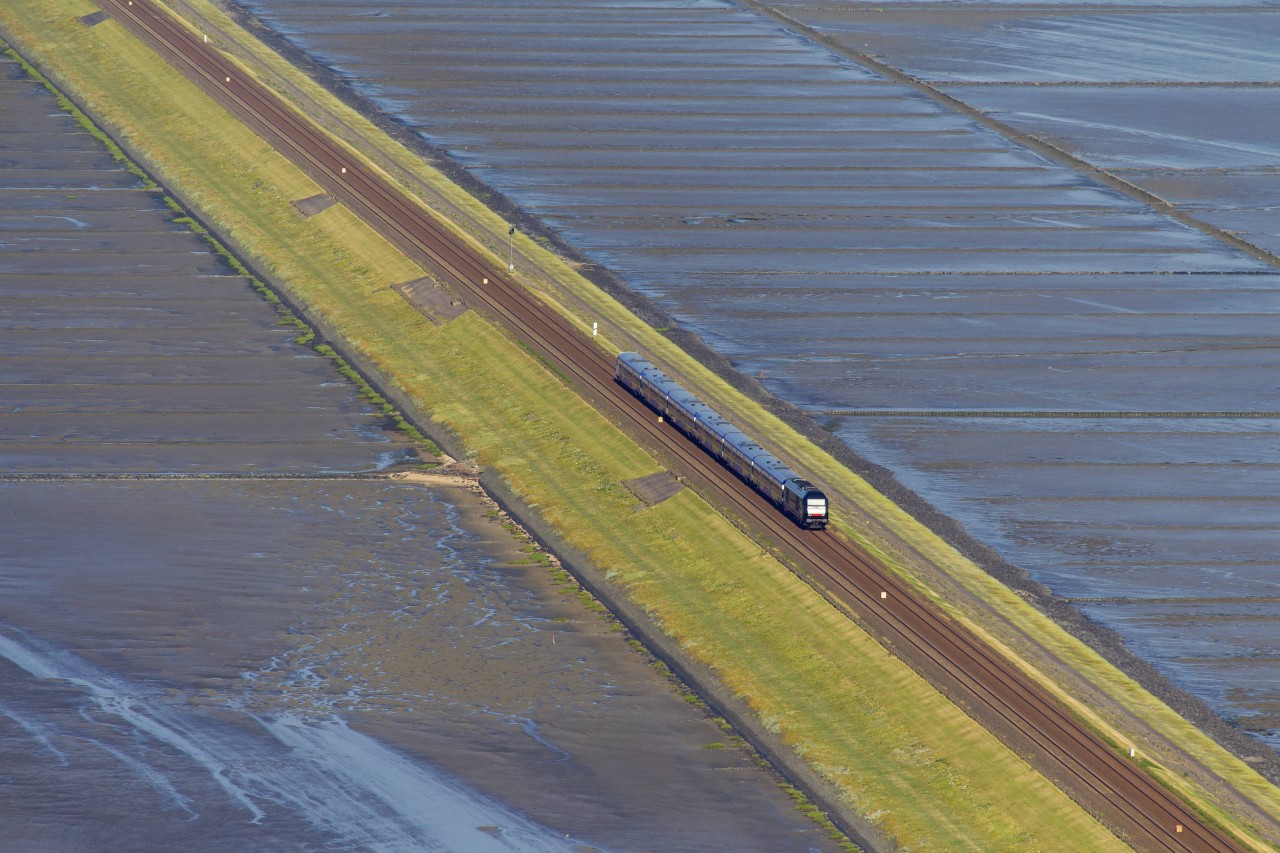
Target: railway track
<point>972,674</point>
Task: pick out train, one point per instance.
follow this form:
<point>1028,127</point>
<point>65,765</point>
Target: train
<point>768,475</point>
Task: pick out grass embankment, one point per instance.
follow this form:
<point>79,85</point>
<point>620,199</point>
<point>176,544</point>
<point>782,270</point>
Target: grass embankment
<point>861,512</point>
<point>864,514</point>
<point>901,754</point>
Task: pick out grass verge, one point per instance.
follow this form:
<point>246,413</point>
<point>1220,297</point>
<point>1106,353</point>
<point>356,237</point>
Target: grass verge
<point>898,752</point>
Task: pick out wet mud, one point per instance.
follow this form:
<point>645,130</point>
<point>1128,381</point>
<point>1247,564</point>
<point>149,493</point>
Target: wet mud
<point>1170,540</point>
<point>249,627</point>
<point>863,245</point>
<point>230,616</point>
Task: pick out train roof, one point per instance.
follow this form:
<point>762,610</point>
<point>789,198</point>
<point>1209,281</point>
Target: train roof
<point>717,423</point>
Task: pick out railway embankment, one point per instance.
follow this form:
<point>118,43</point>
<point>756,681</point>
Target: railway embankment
<point>892,754</point>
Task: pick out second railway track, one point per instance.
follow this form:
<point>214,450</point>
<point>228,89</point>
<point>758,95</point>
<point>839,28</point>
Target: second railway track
<point>966,669</point>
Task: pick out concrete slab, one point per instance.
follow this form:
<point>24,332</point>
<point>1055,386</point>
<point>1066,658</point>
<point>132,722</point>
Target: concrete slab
<point>435,302</point>
<point>655,488</point>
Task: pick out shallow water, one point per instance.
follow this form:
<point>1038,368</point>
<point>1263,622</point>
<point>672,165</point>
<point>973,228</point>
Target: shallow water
<point>233,725</point>
<point>339,665</point>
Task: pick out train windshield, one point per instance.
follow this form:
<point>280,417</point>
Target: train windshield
<point>817,507</point>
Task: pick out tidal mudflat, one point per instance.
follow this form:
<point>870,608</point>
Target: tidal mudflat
<point>1166,536</point>
<point>222,628</point>
<point>341,664</point>
<point>869,251</point>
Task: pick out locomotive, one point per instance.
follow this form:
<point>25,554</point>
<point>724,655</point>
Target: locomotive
<point>796,497</point>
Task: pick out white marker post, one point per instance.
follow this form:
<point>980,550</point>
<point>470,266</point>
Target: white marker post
<point>595,328</point>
